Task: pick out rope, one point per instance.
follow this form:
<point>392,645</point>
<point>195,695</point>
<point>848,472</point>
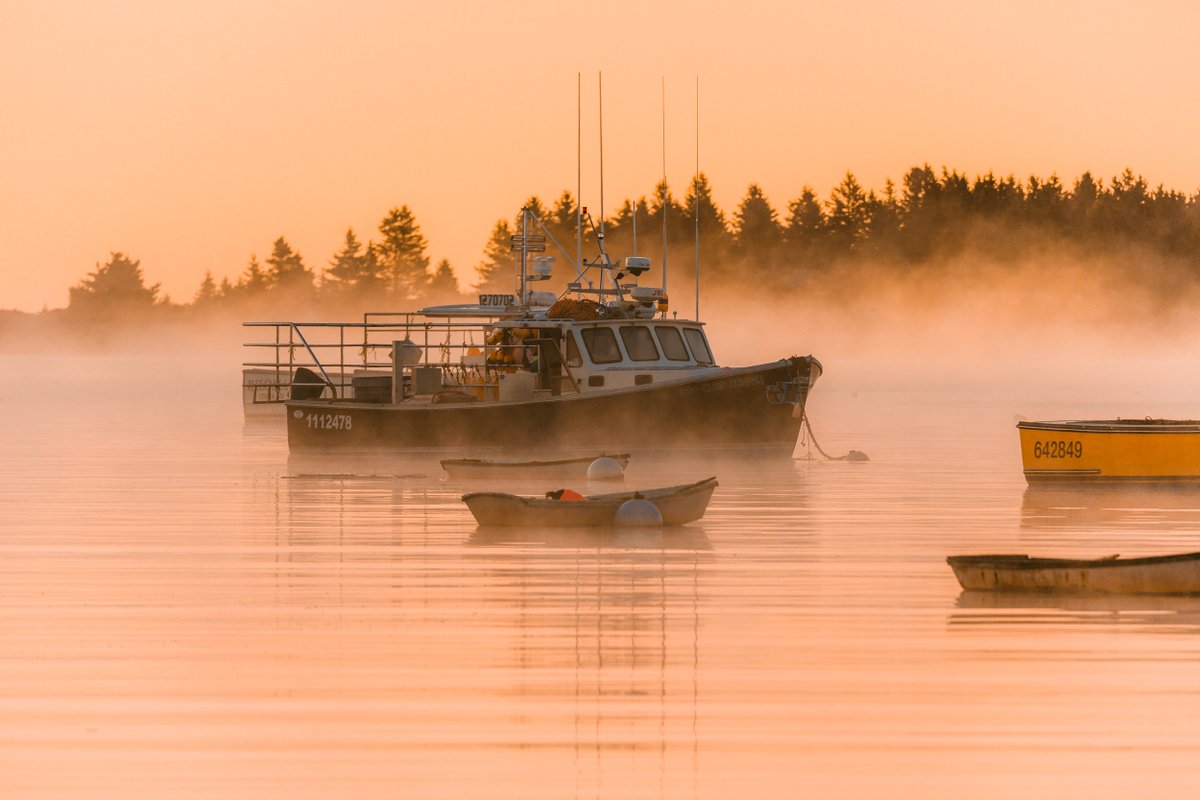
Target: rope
<point>853,455</point>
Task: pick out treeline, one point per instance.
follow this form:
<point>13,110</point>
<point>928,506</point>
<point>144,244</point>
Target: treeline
<point>393,271</point>
<point>931,218</point>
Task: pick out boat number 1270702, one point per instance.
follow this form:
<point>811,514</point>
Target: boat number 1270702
<point>330,422</point>
<point>1059,449</point>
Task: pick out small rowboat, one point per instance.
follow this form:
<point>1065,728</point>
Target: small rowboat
<point>1174,574</point>
<point>1111,450</point>
<point>678,505</point>
<point>562,468</point>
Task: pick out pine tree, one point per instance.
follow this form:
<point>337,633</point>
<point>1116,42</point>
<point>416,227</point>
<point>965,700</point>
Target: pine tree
<point>288,273</point>
<point>443,287</point>
<point>714,233</point>
<point>117,287</point>
<point>207,293</point>
<point>884,213</point>
<point>757,232</point>
<point>497,272</point>
<point>805,229</point>
<point>562,221</point>
<point>679,220</point>
<point>346,272</point>
<point>1045,201</point>
<point>402,257</point>
<point>253,281</point>
<point>849,213</point>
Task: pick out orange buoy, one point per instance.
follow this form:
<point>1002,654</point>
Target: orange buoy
<point>570,494</point>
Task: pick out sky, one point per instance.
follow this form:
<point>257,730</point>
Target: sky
<point>192,135</point>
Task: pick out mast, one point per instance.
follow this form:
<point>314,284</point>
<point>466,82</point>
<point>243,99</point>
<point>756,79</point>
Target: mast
<point>600,84</point>
<point>524,252</point>
<point>578,177</point>
<point>664,177</point>
<point>696,193</point>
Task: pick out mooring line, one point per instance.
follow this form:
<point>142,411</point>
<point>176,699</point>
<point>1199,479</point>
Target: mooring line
<point>853,455</point>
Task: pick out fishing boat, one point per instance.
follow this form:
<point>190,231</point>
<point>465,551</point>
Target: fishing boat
<point>1113,450</point>
<point>1173,574</point>
<point>678,505</point>
<point>558,468</point>
<point>593,366</point>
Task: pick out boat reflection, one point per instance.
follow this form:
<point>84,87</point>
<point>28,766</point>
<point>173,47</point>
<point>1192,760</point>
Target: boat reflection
<point>684,538</point>
<point>1150,613</point>
<point>1133,505</point>
<point>613,618</point>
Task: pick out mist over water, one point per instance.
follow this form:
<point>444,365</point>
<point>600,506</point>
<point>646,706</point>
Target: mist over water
<point>188,609</point>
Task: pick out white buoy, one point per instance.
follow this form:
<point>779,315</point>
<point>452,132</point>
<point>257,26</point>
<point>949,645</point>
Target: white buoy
<point>638,513</point>
<point>605,469</point>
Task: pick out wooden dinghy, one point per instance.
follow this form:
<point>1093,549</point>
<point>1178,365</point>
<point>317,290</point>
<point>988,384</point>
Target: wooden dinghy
<point>678,505</point>
<point>1174,574</point>
<point>561,468</point>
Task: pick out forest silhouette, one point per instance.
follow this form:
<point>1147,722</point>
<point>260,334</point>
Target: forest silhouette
<point>932,222</point>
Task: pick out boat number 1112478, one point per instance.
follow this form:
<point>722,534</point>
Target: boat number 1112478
<point>331,422</point>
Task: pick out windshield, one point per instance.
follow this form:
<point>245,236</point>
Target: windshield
<point>601,345</point>
<point>695,340</point>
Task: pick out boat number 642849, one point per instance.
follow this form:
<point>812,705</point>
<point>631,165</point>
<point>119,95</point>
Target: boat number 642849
<point>331,422</point>
<point>1059,449</point>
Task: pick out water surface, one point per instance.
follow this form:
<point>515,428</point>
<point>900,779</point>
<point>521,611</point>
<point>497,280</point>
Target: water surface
<point>186,610</point>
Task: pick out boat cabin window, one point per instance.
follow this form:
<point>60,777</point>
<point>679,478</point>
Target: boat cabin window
<point>639,343</point>
<point>601,345</point>
<point>695,339</point>
<point>672,343</point>
<point>573,357</point>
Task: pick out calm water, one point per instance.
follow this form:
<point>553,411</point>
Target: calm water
<point>188,612</point>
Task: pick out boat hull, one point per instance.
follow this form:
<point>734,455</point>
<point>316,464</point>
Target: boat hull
<point>678,505</point>
<point>1175,574</point>
<point>1115,450</point>
<point>740,407</point>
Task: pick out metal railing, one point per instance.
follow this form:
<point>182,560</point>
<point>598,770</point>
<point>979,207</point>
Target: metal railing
<point>340,351</point>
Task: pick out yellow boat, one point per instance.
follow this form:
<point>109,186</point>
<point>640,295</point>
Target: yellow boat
<point>1119,449</point>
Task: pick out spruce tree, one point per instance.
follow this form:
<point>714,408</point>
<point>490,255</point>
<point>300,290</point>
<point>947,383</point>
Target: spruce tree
<point>253,281</point>
<point>757,232</point>
<point>497,272</point>
<point>207,293</point>
<point>443,287</point>
<point>345,273</point>
<point>288,273</point>
<point>117,287</point>
<point>403,261</point>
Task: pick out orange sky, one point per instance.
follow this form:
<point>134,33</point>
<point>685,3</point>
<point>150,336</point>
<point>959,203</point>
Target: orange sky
<point>191,135</point>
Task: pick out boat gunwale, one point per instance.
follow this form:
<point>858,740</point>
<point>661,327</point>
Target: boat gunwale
<point>714,373</point>
<point>1161,426</point>
<point>603,499</point>
<point>1020,562</point>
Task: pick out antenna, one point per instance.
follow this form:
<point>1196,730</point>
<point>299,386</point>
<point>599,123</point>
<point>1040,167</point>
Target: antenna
<point>696,192</point>
<point>578,177</point>
<point>600,84</point>
<point>664,180</point>
<point>635,205</point>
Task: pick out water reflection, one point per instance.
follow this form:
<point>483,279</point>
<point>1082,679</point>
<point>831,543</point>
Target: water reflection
<point>1147,613</point>
<point>686,538</point>
<point>611,619</point>
<point>1133,506</point>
